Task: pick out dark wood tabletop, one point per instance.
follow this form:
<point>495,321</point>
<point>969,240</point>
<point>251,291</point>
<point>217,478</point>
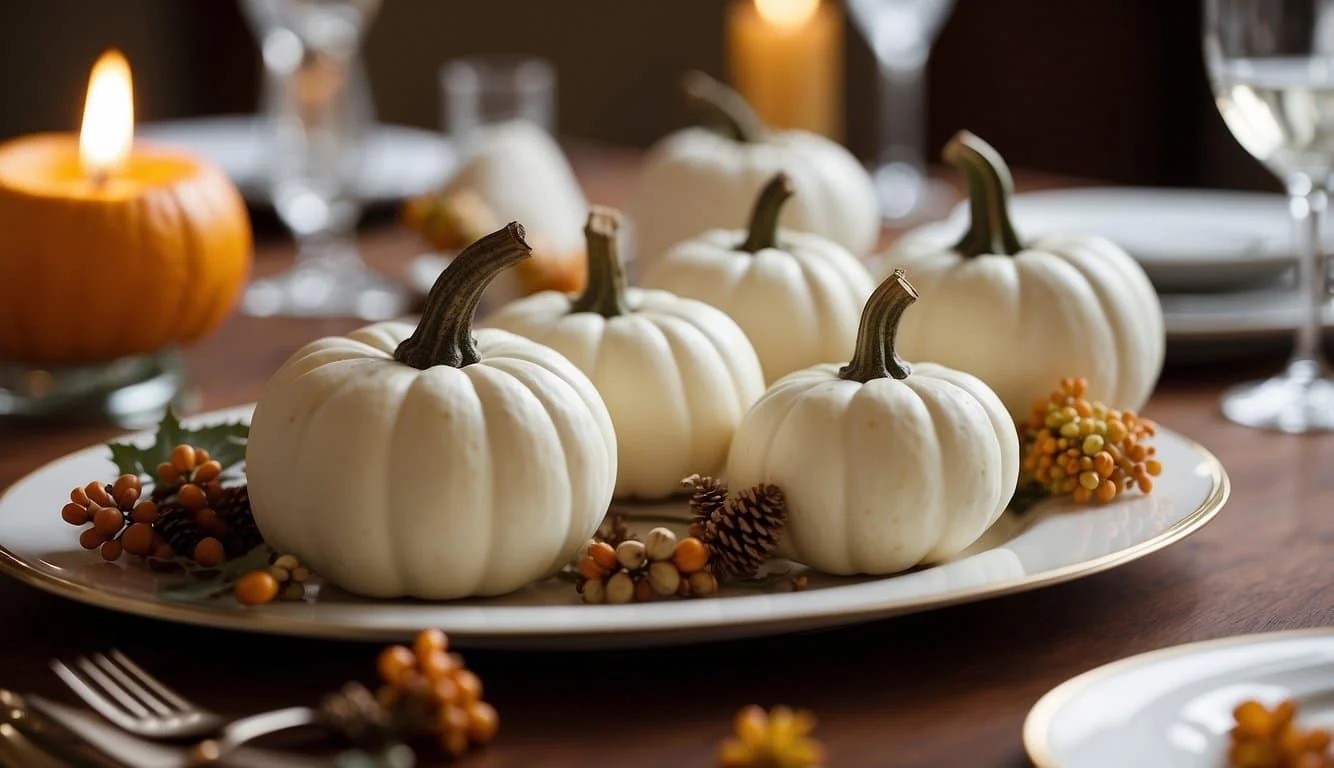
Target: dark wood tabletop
<point>949,687</point>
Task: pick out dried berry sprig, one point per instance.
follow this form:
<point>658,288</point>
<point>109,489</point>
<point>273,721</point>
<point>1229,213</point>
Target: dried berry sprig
<point>1082,448</point>
<point>284,579</point>
<point>640,571</point>
<point>1270,738</point>
<point>429,693</point>
<point>778,738</point>
<point>120,520</point>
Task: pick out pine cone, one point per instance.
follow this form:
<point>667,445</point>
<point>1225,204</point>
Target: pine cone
<point>233,509</point>
<point>708,495</point>
<point>354,713</point>
<point>744,532</point>
<point>178,527</point>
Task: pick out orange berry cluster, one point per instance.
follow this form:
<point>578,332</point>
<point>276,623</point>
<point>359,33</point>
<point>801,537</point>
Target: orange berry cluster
<point>780,737</point>
<point>640,571</point>
<point>177,519</point>
<point>1269,738</point>
<point>120,520</point>
<point>1085,449</point>
<point>430,693</point>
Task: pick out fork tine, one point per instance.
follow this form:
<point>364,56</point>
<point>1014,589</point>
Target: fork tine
<point>128,684</point>
<point>127,702</point>
<point>151,683</point>
<point>91,696</point>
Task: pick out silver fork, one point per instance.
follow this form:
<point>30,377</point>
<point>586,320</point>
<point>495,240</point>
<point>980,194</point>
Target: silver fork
<point>135,701</point>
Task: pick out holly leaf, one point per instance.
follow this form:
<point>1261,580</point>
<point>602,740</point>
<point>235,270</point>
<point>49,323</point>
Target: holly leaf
<point>224,442</point>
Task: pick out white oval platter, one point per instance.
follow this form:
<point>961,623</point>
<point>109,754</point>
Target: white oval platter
<point>1052,542</point>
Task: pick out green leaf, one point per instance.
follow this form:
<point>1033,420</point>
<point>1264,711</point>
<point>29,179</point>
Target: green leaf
<point>224,442</point>
<point>198,583</point>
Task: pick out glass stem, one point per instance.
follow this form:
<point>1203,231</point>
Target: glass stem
<point>1307,202</point>
<point>902,114</point>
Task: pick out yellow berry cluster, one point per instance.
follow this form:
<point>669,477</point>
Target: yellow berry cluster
<point>1085,449</point>
<point>781,737</point>
<point>427,685</point>
<point>638,571</point>
<point>1269,738</point>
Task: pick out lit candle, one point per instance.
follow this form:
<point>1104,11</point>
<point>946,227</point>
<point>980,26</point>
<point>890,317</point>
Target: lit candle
<point>111,248</point>
<point>786,58</point>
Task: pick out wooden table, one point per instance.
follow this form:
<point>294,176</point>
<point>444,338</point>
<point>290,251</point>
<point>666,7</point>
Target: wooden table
<point>945,688</point>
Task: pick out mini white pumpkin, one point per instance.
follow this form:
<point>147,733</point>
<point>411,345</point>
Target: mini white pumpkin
<point>424,462</point>
<point>676,375</point>
<point>883,467</point>
<point>1022,316</point>
<point>698,179</point>
<point>795,294</point>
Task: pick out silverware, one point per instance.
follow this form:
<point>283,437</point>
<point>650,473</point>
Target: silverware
<point>135,701</point>
<point>129,750</point>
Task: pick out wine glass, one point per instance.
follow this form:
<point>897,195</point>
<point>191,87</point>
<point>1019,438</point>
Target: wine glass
<point>900,34</point>
<point>318,109</point>
<point>1272,67</point>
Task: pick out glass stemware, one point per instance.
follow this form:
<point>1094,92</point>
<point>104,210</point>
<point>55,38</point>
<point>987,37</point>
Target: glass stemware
<point>318,109</point>
<point>900,34</point>
<point>1271,63</point>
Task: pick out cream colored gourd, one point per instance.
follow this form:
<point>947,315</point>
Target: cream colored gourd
<point>520,173</point>
<point>677,375</point>
<point>795,294</point>
<point>699,179</point>
<point>429,463</point>
<point>883,467</point>
<point>1022,316</point>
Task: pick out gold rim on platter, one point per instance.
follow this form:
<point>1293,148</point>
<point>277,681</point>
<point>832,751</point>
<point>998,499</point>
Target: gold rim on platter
<point>1038,723</point>
<point>691,630</point>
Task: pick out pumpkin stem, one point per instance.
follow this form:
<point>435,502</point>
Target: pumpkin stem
<point>444,334</point>
<point>605,291</point>
<point>724,106</point>
<point>989,187</point>
<point>874,357</point>
<point>763,232</point>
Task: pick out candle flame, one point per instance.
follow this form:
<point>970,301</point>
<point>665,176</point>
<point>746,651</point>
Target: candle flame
<point>787,13</point>
<point>108,116</point>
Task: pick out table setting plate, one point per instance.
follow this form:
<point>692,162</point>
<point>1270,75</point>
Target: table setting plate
<point>1172,708</point>
<point>1187,240</point>
<point>399,162</point>
<point>1051,542</point>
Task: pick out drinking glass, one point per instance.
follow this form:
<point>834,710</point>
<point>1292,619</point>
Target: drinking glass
<point>900,34</point>
<point>481,91</point>
<point>318,109</point>
<point>1271,63</point>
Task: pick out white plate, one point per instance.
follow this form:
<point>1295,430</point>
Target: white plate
<point>1186,239</point>
<point>1053,542</point>
<point>1233,316</point>
<point>1173,708</point>
<point>400,161</point>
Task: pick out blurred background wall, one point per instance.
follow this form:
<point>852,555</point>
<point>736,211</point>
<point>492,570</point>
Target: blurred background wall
<point>1111,89</point>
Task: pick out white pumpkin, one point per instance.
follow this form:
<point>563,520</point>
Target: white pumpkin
<point>698,179</point>
<point>520,173</point>
<point>676,375</point>
<point>883,467</point>
<point>424,462</point>
<point>1022,316</point>
<point>796,295</point>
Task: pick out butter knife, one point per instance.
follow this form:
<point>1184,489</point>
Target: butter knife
<point>17,751</point>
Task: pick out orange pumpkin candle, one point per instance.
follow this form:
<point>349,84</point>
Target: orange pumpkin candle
<point>108,248</point>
